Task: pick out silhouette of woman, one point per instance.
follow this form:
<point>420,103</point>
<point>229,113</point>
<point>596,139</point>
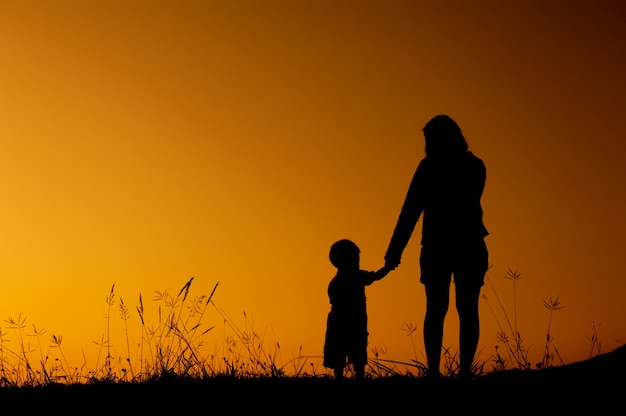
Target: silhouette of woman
<point>446,188</point>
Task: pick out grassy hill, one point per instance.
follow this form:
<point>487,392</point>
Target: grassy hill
<point>596,385</point>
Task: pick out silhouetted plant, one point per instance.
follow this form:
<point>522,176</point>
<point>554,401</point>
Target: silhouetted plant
<point>410,329</point>
<point>110,301</point>
<point>516,352</point>
<point>388,367</point>
<point>594,340</point>
<point>548,359</point>
<point>22,356</point>
<point>124,314</point>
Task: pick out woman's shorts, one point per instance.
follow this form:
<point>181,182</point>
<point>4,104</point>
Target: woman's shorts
<point>465,262</point>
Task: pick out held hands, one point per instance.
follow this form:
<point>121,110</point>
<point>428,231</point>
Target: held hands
<point>391,264</point>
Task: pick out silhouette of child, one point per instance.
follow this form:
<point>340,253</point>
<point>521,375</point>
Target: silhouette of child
<point>346,324</point>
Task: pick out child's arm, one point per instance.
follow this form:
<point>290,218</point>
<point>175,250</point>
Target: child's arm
<point>382,272</point>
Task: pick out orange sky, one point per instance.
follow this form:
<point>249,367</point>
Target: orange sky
<point>146,142</point>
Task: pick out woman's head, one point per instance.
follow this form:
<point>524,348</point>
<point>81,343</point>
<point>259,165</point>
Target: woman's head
<point>444,137</point>
<point>344,254</point>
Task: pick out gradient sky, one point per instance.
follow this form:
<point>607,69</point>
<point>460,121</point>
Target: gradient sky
<point>143,143</point>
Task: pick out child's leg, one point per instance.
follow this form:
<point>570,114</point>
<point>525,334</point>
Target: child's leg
<point>338,373</point>
<point>359,372</point>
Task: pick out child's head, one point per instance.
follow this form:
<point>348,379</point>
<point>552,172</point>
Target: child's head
<point>344,254</point>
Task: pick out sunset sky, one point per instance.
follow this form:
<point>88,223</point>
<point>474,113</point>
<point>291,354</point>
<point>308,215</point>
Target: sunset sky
<point>143,143</point>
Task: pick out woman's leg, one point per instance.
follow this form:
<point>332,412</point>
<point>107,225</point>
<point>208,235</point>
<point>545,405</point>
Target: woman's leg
<point>437,301</point>
<point>469,326</point>
<point>468,279</point>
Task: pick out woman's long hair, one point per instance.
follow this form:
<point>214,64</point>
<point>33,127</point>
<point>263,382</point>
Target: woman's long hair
<point>444,137</point>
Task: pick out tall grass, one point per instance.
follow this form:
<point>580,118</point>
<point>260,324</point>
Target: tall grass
<point>175,346</point>
<point>515,355</point>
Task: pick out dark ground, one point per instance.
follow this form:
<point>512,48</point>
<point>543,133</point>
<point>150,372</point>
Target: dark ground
<point>594,385</point>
